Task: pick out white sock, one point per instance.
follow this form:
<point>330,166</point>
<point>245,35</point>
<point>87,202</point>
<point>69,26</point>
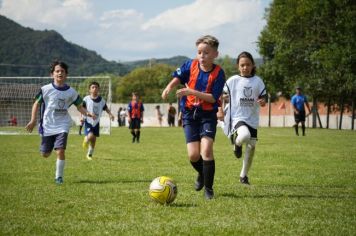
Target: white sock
<point>59,168</point>
<point>245,165</point>
<point>247,162</point>
<point>90,150</point>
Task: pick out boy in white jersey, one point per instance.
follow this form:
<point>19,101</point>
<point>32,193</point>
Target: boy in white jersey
<point>95,104</point>
<point>246,93</point>
<point>55,99</point>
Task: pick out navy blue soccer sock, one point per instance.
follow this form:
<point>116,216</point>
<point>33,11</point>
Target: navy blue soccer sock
<point>198,165</point>
<point>296,129</point>
<point>133,136</point>
<point>138,136</point>
<point>209,173</point>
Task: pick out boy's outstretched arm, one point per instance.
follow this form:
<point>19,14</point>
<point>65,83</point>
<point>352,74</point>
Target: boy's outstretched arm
<point>85,112</point>
<point>29,127</point>
<point>174,82</point>
<point>112,117</point>
<point>262,101</point>
<point>310,111</point>
<point>208,97</point>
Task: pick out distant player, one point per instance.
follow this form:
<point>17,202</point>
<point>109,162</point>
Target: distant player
<point>246,93</point>
<point>119,121</point>
<point>94,103</point>
<point>123,116</point>
<point>172,112</point>
<point>135,111</point>
<point>298,101</point>
<point>55,99</point>
<point>12,121</point>
<point>204,82</point>
<point>159,115</point>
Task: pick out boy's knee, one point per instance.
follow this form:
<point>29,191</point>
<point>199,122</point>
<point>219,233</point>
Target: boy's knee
<point>45,154</point>
<point>194,157</point>
<point>243,134</point>
<point>243,138</point>
<point>246,138</point>
<point>60,154</point>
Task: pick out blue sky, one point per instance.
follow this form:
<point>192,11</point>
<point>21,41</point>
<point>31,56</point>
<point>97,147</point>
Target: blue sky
<point>123,30</point>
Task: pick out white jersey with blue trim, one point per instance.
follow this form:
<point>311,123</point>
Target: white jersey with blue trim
<point>96,106</point>
<point>55,102</point>
<point>243,94</point>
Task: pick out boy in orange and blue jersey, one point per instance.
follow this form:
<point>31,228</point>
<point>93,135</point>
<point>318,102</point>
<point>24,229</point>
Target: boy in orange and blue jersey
<point>135,111</point>
<point>204,82</point>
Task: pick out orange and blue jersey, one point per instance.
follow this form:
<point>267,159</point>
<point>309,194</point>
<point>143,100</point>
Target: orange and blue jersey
<point>135,109</point>
<point>208,82</point>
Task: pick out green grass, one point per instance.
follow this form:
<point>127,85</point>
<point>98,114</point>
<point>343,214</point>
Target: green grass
<point>300,186</point>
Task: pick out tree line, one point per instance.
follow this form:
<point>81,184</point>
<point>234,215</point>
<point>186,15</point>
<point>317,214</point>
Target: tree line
<point>311,43</point>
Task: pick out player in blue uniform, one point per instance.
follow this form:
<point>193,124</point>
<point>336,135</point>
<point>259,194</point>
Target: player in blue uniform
<point>203,84</point>
<point>298,101</point>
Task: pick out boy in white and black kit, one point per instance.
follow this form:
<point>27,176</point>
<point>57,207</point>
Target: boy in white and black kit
<point>96,104</point>
<point>55,99</point>
<point>246,93</point>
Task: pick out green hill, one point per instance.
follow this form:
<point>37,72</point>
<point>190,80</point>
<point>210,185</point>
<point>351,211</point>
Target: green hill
<point>28,52</point>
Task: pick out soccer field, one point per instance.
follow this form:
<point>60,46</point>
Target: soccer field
<point>299,186</point>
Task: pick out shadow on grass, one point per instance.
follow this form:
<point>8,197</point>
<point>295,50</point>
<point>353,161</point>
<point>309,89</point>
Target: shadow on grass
<point>294,192</point>
<point>296,196</point>
<point>111,181</point>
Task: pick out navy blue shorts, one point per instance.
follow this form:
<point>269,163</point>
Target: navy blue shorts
<point>91,129</point>
<point>57,141</point>
<point>135,123</point>
<point>198,123</point>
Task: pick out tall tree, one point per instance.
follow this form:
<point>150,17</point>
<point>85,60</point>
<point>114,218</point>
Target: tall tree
<point>310,43</point>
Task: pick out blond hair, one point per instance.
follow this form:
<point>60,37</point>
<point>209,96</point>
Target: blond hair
<point>208,39</point>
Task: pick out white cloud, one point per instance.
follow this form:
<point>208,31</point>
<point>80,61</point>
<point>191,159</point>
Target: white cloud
<point>203,15</point>
<point>121,19</point>
<point>44,13</point>
<point>236,23</point>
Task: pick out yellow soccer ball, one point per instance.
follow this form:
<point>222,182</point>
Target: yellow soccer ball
<point>163,190</point>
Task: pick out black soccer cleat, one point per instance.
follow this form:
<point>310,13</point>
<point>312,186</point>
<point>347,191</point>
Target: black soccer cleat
<point>237,151</point>
<point>199,183</point>
<point>209,193</point>
<point>244,180</point>
<point>59,180</point>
